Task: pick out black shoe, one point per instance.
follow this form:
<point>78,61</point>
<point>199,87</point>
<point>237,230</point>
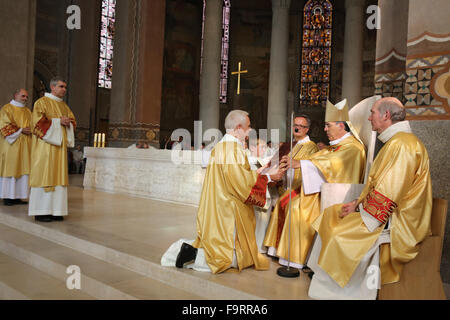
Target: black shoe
<point>18,201</point>
<point>8,202</point>
<point>46,218</point>
<point>186,254</point>
<point>306,269</point>
<point>57,218</point>
<point>310,274</point>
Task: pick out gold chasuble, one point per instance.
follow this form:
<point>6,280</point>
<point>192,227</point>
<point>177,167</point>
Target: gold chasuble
<point>277,234</point>
<point>225,218</point>
<point>343,162</point>
<point>15,158</point>
<point>399,189</point>
<point>49,162</point>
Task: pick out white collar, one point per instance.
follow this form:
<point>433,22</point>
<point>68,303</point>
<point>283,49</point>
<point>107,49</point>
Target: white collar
<point>388,133</point>
<point>229,138</point>
<point>335,142</point>
<point>49,95</point>
<point>304,140</point>
<point>17,104</point>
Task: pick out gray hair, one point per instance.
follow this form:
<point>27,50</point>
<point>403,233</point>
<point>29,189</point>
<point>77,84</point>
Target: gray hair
<point>17,91</point>
<point>235,118</point>
<point>395,108</point>
<point>54,81</point>
<point>346,127</point>
<point>306,117</point>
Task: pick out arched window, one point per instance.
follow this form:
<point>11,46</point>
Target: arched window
<point>316,53</point>
<point>106,44</point>
<point>225,48</point>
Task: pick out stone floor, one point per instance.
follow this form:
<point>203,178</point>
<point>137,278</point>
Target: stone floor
<point>117,241</point>
<point>129,234</point>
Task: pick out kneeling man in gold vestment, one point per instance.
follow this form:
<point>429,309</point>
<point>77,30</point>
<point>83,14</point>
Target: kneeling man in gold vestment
<point>381,230</point>
<point>225,217</point>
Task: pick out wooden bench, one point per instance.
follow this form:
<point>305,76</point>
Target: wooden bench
<point>421,278</point>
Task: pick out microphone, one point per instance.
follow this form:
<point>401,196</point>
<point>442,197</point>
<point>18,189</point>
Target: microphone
<point>296,130</point>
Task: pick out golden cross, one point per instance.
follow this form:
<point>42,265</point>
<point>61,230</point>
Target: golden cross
<point>239,77</point>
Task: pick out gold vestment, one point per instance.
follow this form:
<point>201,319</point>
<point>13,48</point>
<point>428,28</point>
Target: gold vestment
<point>49,166</point>
<point>277,234</point>
<point>398,187</point>
<point>225,217</point>
<point>14,158</point>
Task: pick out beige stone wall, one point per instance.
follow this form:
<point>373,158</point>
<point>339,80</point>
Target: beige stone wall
<point>429,15</point>
<point>17,25</point>
<point>434,134</point>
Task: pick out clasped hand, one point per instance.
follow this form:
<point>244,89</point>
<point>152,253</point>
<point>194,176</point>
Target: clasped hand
<point>26,131</point>
<point>348,208</point>
<point>65,121</point>
<point>276,173</point>
<point>290,163</point>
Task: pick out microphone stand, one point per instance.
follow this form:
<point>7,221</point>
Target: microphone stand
<point>288,272</point>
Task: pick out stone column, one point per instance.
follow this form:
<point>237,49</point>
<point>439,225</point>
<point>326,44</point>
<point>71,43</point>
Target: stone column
<point>278,78</point>
<point>137,72</point>
<point>17,25</point>
<point>353,51</point>
<point>210,77</point>
<point>83,68</point>
<point>150,74</point>
<point>391,48</point>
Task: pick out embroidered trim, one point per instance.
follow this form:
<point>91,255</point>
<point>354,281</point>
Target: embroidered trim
<point>257,196</point>
<point>379,206</point>
<point>334,148</point>
<point>284,202</point>
<point>9,129</point>
<point>41,128</point>
<point>74,124</point>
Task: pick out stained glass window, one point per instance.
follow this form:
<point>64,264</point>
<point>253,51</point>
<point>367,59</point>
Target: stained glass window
<point>225,47</point>
<point>316,53</point>
<point>106,44</point>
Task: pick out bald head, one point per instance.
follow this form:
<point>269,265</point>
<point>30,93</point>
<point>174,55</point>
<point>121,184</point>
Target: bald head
<point>21,95</point>
<point>385,112</point>
<point>394,107</point>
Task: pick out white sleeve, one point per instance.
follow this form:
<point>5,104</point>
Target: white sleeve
<point>54,133</point>
<point>13,137</point>
<point>312,178</point>
<point>290,174</point>
<point>205,158</point>
<point>370,222</point>
<point>70,136</point>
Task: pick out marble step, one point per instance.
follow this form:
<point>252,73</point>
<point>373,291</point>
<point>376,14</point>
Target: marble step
<point>19,281</point>
<point>197,284</point>
<point>99,279</point>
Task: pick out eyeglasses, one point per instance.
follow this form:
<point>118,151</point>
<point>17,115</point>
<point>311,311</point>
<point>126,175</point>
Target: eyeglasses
<point>300,126</point>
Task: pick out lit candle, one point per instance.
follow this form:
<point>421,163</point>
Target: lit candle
<point>95,140</point>
<point>103,140</point>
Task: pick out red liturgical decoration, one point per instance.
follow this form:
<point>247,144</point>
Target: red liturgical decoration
<point>257,196</point>
<point>379,206</point>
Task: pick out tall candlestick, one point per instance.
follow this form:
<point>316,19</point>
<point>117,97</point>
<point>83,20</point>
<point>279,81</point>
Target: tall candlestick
<point>95,140</point>
<point>103,140</point>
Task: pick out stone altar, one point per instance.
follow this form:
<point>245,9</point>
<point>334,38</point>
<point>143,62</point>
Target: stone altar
<point>165,175</point>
